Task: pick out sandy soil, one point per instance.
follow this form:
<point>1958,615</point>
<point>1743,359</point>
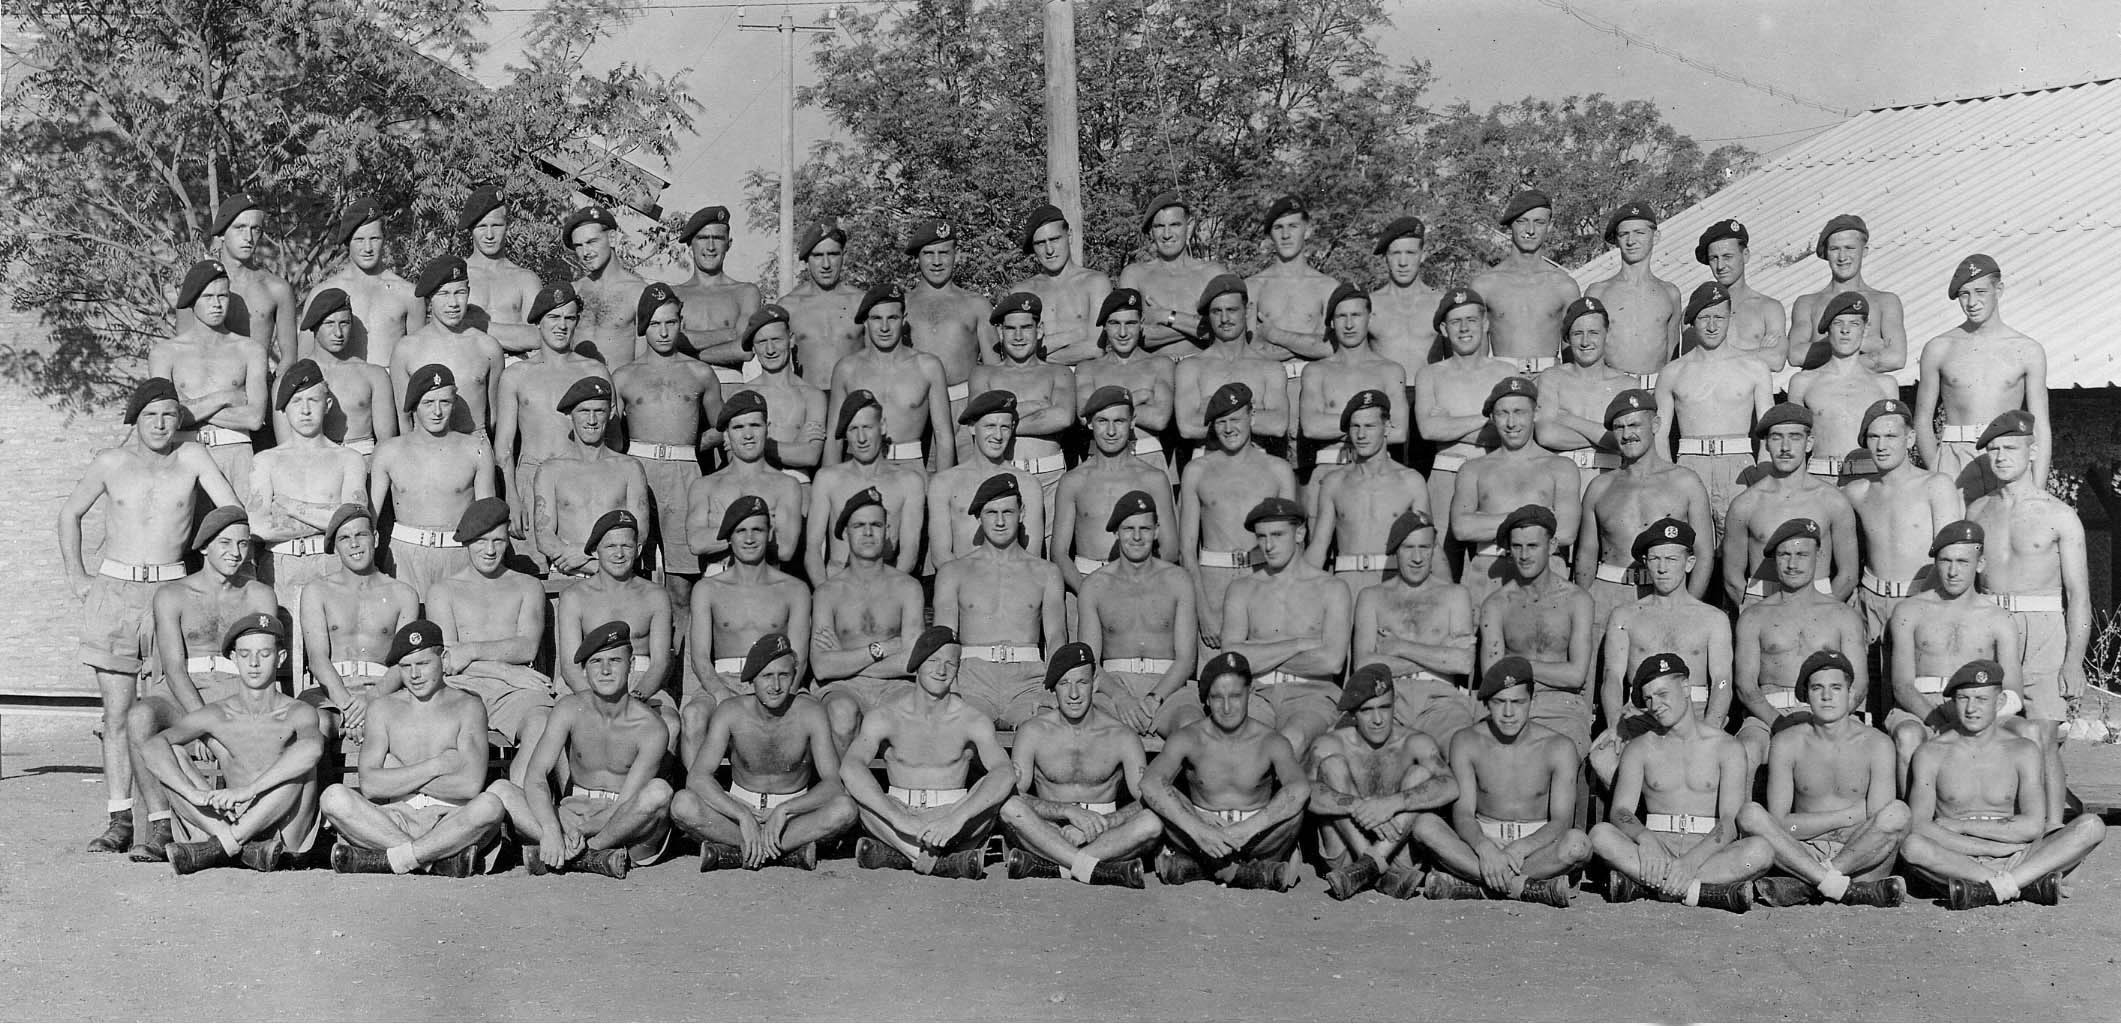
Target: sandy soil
<point>82,936</point>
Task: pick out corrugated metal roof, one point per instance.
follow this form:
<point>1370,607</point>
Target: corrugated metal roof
<point>2024,177</point>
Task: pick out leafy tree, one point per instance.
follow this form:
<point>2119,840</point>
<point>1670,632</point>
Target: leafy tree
<point>137,117</point>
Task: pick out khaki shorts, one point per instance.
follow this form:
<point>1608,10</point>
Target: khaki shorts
<point>2045,639</point>
<point>116,623</point>
<point>866,692</point>
<point>1877,613</point>
<point>1007,692</point>
<point>1432,707</point>
<point>1564,713</point>
<point>420,566</point>
<point>289,573</point>
<point>762,801</point>
<point>669,485</point>
<point>212,686</point>
<point>1607,596</point>
<point>510,702</point>
<point>417,814</point>
<point>1826,847</point>
<point>1719,474</point>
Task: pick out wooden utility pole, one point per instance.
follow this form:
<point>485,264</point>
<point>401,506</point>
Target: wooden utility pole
<point>1064,175</point>
<point>787,29</point>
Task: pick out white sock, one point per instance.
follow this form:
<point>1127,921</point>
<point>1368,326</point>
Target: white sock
<point>1082,867</point>
<point>165,814</point>
<point>1834,885</point>
<point>118,805</point>
<point>1693,894</point>
<point>2006,889</point>
<point>401,860</point>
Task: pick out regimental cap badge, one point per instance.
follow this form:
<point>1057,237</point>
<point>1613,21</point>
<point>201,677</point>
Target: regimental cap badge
<point>1671,531</point>
<point>942,229</point>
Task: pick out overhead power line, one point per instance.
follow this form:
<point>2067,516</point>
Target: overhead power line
<point>1661,50</point>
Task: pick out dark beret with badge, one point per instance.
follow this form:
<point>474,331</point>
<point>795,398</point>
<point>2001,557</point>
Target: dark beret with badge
<point>771,313</point>
<point>1791,530</point>
<point>1528,515</point>
<point>1226,664</point>
<point>1629,401</point>
<point>1117,300</point>
<point>1275,508</point>
<point>1039,217</point>
<point>1072,656</point>
<point>1630,211</point>
<point>1884,408</point>
<point>1343,292</point>
<point>1219,286</point>
<point>1505,673</point>
<point>483,200</point>
<point>345,514</point>
<point>1780,414</point>
<point>425,380</point>
<point>1227,400</point>
<point>653,298</point>
<point>1971,269</point>
<point>818,232</point>
<point>744,508</point>
<point>997,486</point>
<point>699,220</point>
<point>1161,202</point>
<point>300,375</point>
<point>592,214</point>
<point>481,518</point>
<point>550,298</point>
<point>1369,681</point>
<point>1583,306</point>
<point>324,304</point>
<point>744,402</point>
<point>769,647</point>
<point>931,641</point>
<point>1844,303</point>
<point>253,623</point>
<point>416,636</point>
<point>1408,227</point>
<point>1282,207</point>
<point>1826,659</point>
<point>1132,504</point>
<point>1523,203</point>
<point>1728,228</point>
<point>856,401</point>
<point>606,636</point>
<point>1106,397</point>
<point>217,520</point>
<point>1839,223</point>
<point>1706,294</point>
<point>230,209</point>
<point>1367,399</point>
<point>364,211</point>
<point>440,271</point>
<point>927,234</point>
<point>1404,526</point>
<point>1666,531</point>
<point>988,403</point>
<point>196,279</point>
<point>585,389</point>
<point>153,390</point>
<point>856,503</point>
<point>1452,300</point>
<point>2008,424</point>
<point>612,520</point>
<point>1979,673</point>
<point>877,295</point>
<point>1016,302</point>
<point>1958,532</point>
<point>1514,385</point>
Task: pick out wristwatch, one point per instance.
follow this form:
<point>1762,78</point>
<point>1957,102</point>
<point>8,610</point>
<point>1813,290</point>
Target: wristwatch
<point>876,650</point>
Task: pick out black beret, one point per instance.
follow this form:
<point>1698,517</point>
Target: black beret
<point>413,637</point>
<point>1958,532</point>
<point>1661,665</point>
<point>1980,265</point>
<point>483,200</point>
<point>612,520</point>
<point>1528,515</point>
<point>1582,306</point>
<point>1515,384</point>
<point>592,214</point>
<point>930,641</point>
<point>217,520</point>
<point>345,514</point>
<point>855,504</point>
<point>1117,300</point>
<point>425,380</point>
<point>2007,424</point>
<point>1884,408</point>
<point>771,313</point>
<point>253,623</point>
<point>230,208</point>
<point>744,508</point>
<point>1979,673</point>
<point>855,402</point>
<point>1728,228</point>
<point>1629,400</point>
<point>1132,504</point>
<point>362,212</point>
<point>1844,303</point>
<point>769,647</point>
<point>744,402</point>
<point>882,292</point>
<point>1506,673</point>
<point>1452,300</point>
<point>1791,530</point>
<point>1275,508</point>
<point>438,272</point>
<point>1706,294</point>
<point>1016,302</point>
<point>584,390</point>
<point>652,299</point>
<point>1523,203</point>
<point>1834,659</point>
<point>1226,664</point>
<point>1782,413</point>
<point>1367,399</point>
<point>1403,526</point>
<point>1666,531</point>
<point>1367,682</point>
<point>1039,217</point>
<point>324,304</point>
<point>994,400</point>
<point>1839,223</point>
<point>1105,398</point>
<point>998,486</point>
<point>196,279</point>
<point>550,298</point>
<point>700,219</point>
<point>1227,400</point>
<point>1219,286</point>
<point>1630,211</point>
<point>1071,656</point>
<point>1159,203</point>
<point>302,374</point>
<point>1342,293</point>
<point>927,234</point>
<point>153,390</point>
<point>816,233</point>
<point>614,634</point>
<point>1282,207</point>
<point>1408,227</point>
<point>480,518</point>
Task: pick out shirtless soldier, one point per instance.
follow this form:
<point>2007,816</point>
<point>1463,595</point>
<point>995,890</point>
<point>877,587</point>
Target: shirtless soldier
<point>348,617</point>
<point>1516,473</point>
<point>927,819</point>
<point>734,608</point>
<point>1946,626</point>
<point>1783,492</point>
<point>1527,292</point>
<point>2034,567</point>
<point>1510,832</point>
<point>616,814</point>
<point>944,319</point>
<point>1216,492</point>
<point>528,426</point>
<point>1139,611</point>
<point>384,308</point>
<point>297,485</point>
<point>1083,542</point>
<point>907,384</point>
<point>1982,828</point>
<point>1445,412</point>
<point>1044,392</point>
<point>150,479</point>
<point>715,305</point>
<point>1149,379</point>
<point>1290,621</point>
<point>1974,373</point>
<point>492,618</point>
<point>1419,626</point>
<point>1072,759</point>
<point>261,305</point>
<point>990,419</point>
<point>1836,390</point>
<point>1349,368</point>
<point>501,289</point>
<point>864,621</point>
<point>1842,244</point>
<point>1539,615</point>
<point>1401,305</point>
<point>429,476</point>
<point>1710,397</point>
<point>1898,509</point>
<point>1236,815</point>
<point>1673,830</point>
<point>1355,506</point>
<point>1068,295</point>
<point>220,375</point>
<point>1617,507</point>
<point>860,425</point>
<point>1665,619</point>
<point>1775,634</point>
<point>743,425</point>
<point>269,747</point>
<point>1290,294</point>
<point>1232,357</point>
<point>1574,395</point>
<point>1759,328</point>
<point>796,437</point>
<point>354,419</point>
<point>1369,780</point>
<point>1005,604</point>
<point>190,615</point>
<point>607,286</point>
<point>1831,816</point>
<point>616,594</point>
<point>582,483</point>
<point>820,308</point>
<point>671,402</point>
<point>784,794</point>
<point>1169,278</point>
<point>423,801</point>
<point>1644,332</point>
<point>449,339</point>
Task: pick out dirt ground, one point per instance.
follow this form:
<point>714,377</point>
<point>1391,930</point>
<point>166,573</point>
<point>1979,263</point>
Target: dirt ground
<point>81,936</point>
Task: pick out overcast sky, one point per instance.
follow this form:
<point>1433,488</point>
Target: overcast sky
<point>1836,53</point>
